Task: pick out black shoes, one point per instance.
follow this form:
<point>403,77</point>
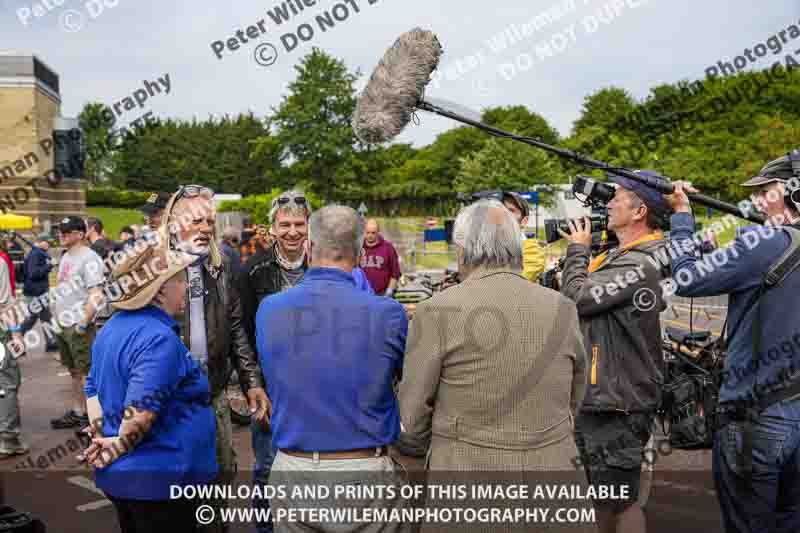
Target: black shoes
<point>70,420</point>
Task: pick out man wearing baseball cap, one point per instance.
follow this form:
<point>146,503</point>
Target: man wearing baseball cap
<point>154,208</point>
<point>76,299</point>
<point>618,295</point>
<point>756,449</point>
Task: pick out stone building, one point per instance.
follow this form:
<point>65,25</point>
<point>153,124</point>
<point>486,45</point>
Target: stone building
<point>30,109</point>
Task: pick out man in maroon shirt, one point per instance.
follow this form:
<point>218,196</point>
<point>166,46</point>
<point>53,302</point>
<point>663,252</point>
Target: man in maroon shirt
<point>379,261</point>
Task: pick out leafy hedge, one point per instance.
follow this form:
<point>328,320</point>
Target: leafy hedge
<point>258,205</point>
<point>111,197</point>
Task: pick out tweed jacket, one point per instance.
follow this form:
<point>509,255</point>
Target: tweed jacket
<point>495,368</point>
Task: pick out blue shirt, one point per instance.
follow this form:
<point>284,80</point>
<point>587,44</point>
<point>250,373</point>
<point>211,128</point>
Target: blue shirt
<point>361,280</point>
<point>738,270</point>
<point>138,359</point>
<point>329,353</point>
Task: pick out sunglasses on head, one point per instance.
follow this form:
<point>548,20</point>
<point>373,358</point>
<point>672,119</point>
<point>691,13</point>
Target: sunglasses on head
<point>192,191</point>
<point>299,200</point>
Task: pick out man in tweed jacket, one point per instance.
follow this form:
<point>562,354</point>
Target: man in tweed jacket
<point>495,367</point>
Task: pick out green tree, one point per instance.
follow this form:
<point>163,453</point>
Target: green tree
<point>214,152</point>
<point>603,108</point>
<point>312,122</point>
<point>97,120</point>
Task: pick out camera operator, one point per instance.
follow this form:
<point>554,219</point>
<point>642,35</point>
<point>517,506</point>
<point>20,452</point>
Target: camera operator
<point>618,295</point>
<point>756,453</point>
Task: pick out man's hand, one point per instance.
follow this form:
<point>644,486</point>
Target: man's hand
<point>580,231</point>
<point>260,406</point>
<point>678,200</point>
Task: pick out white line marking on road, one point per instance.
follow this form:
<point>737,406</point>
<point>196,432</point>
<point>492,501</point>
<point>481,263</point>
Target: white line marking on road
<point>88,484</point>
<point>93,506</point>
<point>686,488</point>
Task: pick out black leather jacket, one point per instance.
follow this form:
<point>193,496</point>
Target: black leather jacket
<point>226,337</point>
<point>260,278</point>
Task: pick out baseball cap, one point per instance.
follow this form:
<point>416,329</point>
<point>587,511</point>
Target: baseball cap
<point>653,199</point>
<point>779,170</point>
<point>157,201</point>
<point>72,223</point>
<point>44,236</point>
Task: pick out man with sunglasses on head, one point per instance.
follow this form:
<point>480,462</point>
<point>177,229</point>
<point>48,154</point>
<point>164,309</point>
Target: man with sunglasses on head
<point>212,324</point>
<point>278,264</point>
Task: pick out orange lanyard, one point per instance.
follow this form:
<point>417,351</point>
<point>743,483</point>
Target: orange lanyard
<point>598,261</point>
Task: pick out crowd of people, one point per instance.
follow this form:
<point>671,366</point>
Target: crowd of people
<point>494,374</point>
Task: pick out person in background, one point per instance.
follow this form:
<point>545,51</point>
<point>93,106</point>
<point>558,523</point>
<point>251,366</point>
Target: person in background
<point>380,261</point>
<point>279,265</point>
<point>10,264</point>
<point>11,443</point>
<point>533,260</point>
<point>230,246</point>
<point>361,278</point>
<point>212,327</point>
<point>350,414</point>
<point>153,209</point>
<point>96,238</point>
<point>149,401</point>
<point>80,279</point>
<point>127,237</point>
<point>38,265</point>
<point>17,255</point>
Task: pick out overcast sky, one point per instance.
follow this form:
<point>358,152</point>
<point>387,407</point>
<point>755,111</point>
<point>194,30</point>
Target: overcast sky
<point>106,55</point>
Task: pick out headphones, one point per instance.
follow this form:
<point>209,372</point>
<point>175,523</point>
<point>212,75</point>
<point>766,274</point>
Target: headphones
<point>792,193</point>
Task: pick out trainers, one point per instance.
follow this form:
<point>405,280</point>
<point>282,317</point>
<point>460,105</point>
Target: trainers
<point>11,447</point>
<point>70,420</point>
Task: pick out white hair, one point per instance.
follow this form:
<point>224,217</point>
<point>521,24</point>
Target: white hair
<point>489,235</point>
<point>337,228</point>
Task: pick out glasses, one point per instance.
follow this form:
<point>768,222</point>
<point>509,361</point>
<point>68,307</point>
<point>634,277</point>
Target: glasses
<point>298,200</point>
<point>192,191</point>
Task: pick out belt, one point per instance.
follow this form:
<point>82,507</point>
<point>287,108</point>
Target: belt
<point>364,453</point>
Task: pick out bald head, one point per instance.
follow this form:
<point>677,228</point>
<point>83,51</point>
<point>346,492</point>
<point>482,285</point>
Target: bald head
<point>371,232</point>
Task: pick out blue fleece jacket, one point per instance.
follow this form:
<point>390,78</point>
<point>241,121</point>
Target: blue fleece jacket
<point>738,270</point>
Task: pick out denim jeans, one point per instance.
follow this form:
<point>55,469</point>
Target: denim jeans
<point>265,456</point>
<point>769,499</point>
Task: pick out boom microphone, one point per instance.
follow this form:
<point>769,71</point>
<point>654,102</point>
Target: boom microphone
<point>397,86</point>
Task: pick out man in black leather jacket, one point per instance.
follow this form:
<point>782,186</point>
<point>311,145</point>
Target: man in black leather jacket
<point>278,265</point>
<point>212,324</point>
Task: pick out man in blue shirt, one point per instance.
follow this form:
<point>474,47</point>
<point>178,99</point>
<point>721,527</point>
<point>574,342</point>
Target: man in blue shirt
<point>758,488</point>
<point>330,353</point>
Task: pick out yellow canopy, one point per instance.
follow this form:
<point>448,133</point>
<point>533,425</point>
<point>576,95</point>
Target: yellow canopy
<point>12,221</point>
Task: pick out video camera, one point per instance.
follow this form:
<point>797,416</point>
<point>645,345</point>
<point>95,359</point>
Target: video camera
<point>595,195</point>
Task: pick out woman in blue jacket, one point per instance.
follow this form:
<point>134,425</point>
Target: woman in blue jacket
<point>148,400</point>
